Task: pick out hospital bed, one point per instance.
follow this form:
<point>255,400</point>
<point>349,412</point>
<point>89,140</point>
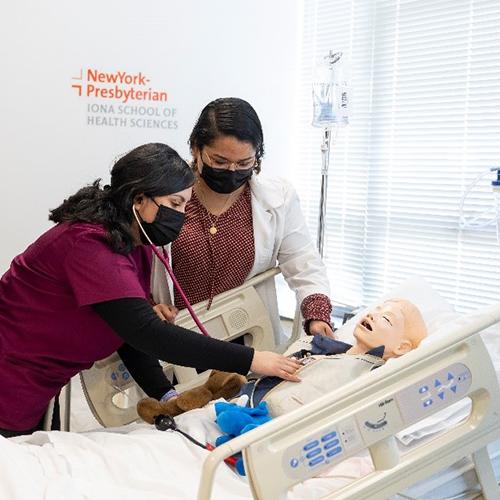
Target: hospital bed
<point>370,411</point>
<point>272,452</point>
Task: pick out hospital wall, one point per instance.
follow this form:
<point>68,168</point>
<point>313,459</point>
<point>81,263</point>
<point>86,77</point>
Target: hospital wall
<point>83,83</point>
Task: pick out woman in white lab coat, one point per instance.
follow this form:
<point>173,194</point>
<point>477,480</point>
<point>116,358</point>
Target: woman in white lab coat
<point>238,225</point>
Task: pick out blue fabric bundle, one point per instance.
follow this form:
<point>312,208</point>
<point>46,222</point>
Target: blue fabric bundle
<point>235,420</point>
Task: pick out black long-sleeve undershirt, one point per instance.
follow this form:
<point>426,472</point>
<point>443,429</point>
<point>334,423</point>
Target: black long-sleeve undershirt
<point>146,370</point>
<point>148,339</point>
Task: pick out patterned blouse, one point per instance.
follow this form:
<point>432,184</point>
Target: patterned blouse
<point>208,246</point>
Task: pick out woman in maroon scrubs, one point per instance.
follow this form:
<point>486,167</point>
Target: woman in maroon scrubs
<point>81,292</point>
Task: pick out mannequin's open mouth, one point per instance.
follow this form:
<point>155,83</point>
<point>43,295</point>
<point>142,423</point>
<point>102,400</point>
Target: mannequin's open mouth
<point>365,324</point>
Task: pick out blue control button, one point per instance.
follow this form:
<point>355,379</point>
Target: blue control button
<point>121,367</point>
<point>126,375</point>
<point>454,388</point>
<point>423,389</point>
<point>114,376</point>
<point>441,395</point>
<point>294,463</point>
<point>450,376</point>
<point>311,445</point>
<point>316,461</point>
<point>328,436</point>
<point>437,383</point>
<point>427,402</point>
<point>335,451</point>
<point>313,453</point>
<point>331,444</point>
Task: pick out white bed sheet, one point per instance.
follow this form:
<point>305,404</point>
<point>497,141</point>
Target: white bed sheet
<point>131,462</point>
<point>137,461</point>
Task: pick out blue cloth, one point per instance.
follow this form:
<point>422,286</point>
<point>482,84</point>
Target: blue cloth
<point>326,345</point>
<point>235,420</point>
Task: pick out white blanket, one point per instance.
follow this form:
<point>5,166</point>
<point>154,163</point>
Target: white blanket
<point>132,462</point>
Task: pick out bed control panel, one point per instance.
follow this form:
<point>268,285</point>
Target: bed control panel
<point>118,374</point>
<point>323,448</point>
<point>379,420</point>
<point>391,414</point>
<point>434,393</point>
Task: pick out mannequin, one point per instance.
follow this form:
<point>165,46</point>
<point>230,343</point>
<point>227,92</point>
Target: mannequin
<point>396,324</point>
<point>386,331</point>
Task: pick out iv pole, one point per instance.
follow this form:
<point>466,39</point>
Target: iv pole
<point>325,116</point>
<point>330,111</point>
<point>325,160</point>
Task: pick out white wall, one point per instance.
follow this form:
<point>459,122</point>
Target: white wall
<point>194,50</point>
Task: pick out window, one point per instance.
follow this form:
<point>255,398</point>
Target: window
<point>425,121</point>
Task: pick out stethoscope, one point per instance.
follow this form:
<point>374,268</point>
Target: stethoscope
<point>163,259</point>
<point>166,422</point>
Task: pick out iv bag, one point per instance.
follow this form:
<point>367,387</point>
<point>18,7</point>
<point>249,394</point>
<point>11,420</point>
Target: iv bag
<point>330,93</point>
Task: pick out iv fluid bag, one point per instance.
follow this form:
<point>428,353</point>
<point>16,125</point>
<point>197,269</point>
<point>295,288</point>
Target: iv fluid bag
<point>330,93</point>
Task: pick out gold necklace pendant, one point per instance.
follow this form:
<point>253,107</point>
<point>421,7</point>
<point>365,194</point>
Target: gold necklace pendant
<point>212,230</point>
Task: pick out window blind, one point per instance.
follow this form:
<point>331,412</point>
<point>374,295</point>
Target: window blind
<point>425,121</point>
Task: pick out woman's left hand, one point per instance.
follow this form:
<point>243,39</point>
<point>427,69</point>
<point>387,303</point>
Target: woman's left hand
<point>320,327</point>
<point>166,312</point>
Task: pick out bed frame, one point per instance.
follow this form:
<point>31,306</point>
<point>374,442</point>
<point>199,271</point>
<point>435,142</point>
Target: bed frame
<point>370,411</point>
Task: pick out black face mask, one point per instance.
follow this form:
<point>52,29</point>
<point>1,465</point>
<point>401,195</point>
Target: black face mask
<point>165,228</point>
<point>224,181</point>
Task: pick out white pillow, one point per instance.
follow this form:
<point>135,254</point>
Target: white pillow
<point>435,310</point>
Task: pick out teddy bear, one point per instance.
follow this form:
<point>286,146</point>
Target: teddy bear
<point>218,385</point>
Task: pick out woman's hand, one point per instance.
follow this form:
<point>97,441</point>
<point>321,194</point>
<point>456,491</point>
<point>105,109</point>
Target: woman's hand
<point>275,365</point>
<point>321,328</point>
<point>166,312</point>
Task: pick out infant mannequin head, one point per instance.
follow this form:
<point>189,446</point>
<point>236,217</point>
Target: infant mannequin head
<point>396,324</point>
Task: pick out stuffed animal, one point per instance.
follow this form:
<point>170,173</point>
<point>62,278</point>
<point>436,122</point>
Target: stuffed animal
<point>219,385</point>
<point>235,420</point>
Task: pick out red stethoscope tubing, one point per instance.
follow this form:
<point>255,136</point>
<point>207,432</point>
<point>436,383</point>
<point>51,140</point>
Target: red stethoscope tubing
<point>232,460</point>
<point>168,267</point>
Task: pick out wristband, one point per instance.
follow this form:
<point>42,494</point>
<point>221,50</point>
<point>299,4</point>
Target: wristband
<point>168,395</point>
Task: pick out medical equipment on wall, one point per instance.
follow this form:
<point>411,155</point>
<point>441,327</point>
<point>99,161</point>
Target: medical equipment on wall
<point>487,217</point>
<point>330,111</point>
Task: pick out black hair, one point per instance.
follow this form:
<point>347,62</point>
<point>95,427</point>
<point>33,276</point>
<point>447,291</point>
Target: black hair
<point>151,169</point>
<point>229,116</point>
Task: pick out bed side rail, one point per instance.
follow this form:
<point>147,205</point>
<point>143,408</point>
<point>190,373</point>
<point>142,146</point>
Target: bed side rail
<point>368,412</point>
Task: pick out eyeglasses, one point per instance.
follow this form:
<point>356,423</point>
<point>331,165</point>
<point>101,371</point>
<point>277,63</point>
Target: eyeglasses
<point>226,165</point>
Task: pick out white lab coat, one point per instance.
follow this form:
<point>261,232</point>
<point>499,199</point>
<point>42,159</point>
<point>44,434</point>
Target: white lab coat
<point>281,237</point>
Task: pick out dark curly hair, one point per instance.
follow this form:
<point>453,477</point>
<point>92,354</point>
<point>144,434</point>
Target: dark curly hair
<point>151,169</point>
<point>229,116</point>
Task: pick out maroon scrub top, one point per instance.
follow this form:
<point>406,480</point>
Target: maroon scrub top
<point>48,331</point>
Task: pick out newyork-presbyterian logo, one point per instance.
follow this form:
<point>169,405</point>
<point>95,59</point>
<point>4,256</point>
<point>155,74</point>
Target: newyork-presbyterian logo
<point>123,99</point>
<point>119,85</point>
